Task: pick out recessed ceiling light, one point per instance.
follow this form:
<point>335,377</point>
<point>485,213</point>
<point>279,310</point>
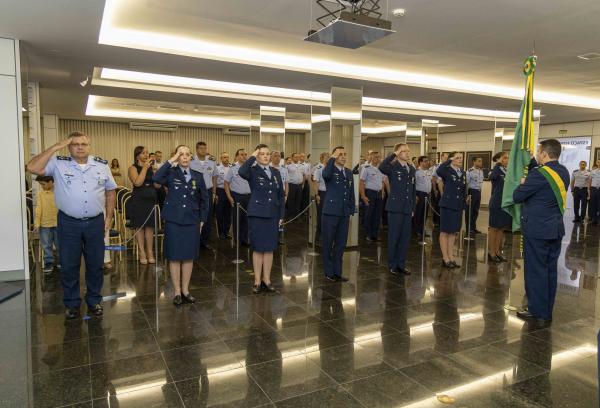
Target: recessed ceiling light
<point>398,12</point>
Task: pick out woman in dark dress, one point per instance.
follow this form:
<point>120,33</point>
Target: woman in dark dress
<point>265,213</point>
<point>141,203</point>
<point>499,219</point>
<point>184,211</point>
<point>452,203</point>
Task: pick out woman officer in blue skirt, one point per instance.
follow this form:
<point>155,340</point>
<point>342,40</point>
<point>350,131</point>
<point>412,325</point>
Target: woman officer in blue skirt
<point>499,219</point>
<point>265,213</point>
<point>452,203</point>
<point>184,211</point>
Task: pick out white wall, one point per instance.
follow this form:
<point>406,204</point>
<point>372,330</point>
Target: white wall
<point>574,129</point>
<point>13,234</point>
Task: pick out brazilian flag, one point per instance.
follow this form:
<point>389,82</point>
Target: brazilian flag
<point>523,144</point>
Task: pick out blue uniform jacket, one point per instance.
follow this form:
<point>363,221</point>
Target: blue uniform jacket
<point>497,180</point>
<point>540,216</point>
<point>403,191</point>
<point>339,198</point>
<point>267,197</point>
<point>186,202</point>
<point>455,187</point>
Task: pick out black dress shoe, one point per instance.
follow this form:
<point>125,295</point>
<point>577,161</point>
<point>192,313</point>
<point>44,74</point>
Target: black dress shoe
<point>404,271</point>
<point>188,298</point>
<point>493,258</point>
<point>177,300</point>
<point>330,278</point>
<point>447,264</point>
<point>454,264</point>
<point>72,313</point>
<point>95,310</point>
<point>369,239</point>
<point>524,314</point>
<point>341,279</point>
<point>268,288</point>
<point>205,247</point>
<point>395,271</point>
<point>256,289</point>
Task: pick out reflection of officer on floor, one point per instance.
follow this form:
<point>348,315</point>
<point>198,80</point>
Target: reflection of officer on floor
<point>543,196</point>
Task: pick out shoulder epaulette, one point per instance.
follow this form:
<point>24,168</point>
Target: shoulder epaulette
<point>212,158</point>
<point>100,160</point>
<point>67,158</point>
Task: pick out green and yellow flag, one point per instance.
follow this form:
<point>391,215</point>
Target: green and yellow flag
<point>522,145</point>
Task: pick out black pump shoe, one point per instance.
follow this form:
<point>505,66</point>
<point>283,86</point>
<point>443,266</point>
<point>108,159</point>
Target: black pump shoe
<point>177,300</point>
<point>454,264</point>
<point>188,298</point>
<point>447,264</point>
<point>256,289</point>
<point>268,288</point>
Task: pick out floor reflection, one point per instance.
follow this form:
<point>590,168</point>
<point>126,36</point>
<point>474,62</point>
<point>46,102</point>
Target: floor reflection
<point>376,341</point>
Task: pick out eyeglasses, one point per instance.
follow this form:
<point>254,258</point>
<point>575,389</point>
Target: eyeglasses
<point>79,144</point>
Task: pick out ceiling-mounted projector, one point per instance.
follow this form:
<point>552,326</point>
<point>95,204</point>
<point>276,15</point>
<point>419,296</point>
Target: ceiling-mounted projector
<point>352,24</point>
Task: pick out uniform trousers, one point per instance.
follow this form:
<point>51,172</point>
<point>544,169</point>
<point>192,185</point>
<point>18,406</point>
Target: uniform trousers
<point>294,201</point>
<point>540,261</point>
<point>421,212</point>
<point>320,211</point>
<point>595,205</point>
<point>242,200</point>
<point>207,227</point>
<point>334,234</point>
<point>471,222</point>
<point>77,237</point>
<point>372,218</point>
<point>580,201</point>
<point>223,213</point>
<point>398,238</point>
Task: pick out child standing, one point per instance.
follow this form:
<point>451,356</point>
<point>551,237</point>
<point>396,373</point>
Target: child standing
<point>45,221</point>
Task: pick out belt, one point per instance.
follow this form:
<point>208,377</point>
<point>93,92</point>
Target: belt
<point>80,219</point>
<point>370,189</point>
<point>243,194</point>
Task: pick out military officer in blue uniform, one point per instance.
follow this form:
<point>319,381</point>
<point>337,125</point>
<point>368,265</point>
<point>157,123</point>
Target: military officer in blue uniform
<point>84,192</point>
<point>266,210</point>
<point>400,206</point>
<point>453,196</point>
<point>580,183</point>
<point>320,188</point>
<point>370,188</point>
<point>543,228</point>
<point>474,182</point>
<point>338,207</point>
<point>222,206</point>
<point>423,177</point>
<point>499,220</point>
<point>206,164</point>
<point>595,194</point>
<point>185,211</point>
<point>238,192</point>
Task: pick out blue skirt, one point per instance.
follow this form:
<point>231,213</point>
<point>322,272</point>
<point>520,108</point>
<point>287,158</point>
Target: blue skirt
<point>264,233</point>
<point>499,218</point>
<point>181,241</point>
<point>450,220</point>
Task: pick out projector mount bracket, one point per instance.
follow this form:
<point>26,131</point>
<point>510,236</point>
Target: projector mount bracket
<point>333,8</point>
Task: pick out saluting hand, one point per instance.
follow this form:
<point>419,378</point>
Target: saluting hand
<point>175,157</point>
<point>255,154</point>
<point>64,143</point>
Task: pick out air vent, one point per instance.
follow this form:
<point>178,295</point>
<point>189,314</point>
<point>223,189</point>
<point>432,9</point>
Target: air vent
<point>589,56</point>
<point>240,131</point>
<point>160,127</point>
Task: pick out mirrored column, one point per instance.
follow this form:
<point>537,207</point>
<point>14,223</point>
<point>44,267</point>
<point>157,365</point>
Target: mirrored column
<point>272,127</point>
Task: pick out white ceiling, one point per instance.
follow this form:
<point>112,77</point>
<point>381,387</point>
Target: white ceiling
<point>476,41</point>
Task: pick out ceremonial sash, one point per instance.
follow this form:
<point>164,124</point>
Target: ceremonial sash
<point>558,187</point>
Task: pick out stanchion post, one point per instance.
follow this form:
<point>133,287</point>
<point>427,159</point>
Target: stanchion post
<point>423,242</point>
<point>468,236</point>
<point>237,259</point>
<point>314,238</point>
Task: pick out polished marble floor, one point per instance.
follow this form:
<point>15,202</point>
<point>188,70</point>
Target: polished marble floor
<point>377,341</point>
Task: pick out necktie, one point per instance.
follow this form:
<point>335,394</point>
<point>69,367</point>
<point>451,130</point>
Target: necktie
<point>268,171</point>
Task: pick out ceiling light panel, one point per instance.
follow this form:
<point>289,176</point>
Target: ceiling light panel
<point>111,34</point>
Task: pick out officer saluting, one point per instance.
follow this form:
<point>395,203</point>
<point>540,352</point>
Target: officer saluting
<point>400,205</point>
<point>580,183</point>
<point>474,182</point>
<point>370,189</point>
<point>222,206</point>
<point>543,195</point>
<point>84,193</point>
<point>339,206</point>
<point>205,164</point>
